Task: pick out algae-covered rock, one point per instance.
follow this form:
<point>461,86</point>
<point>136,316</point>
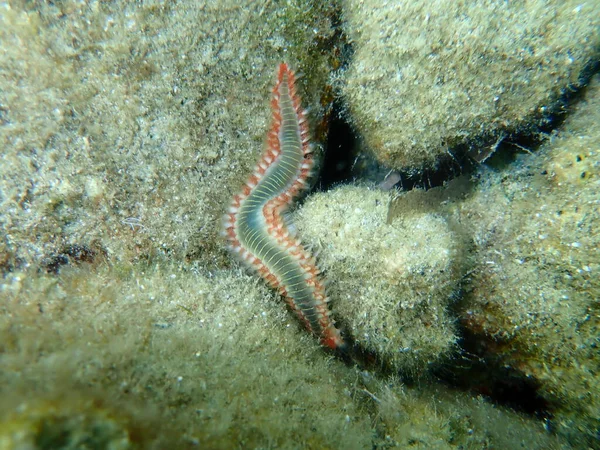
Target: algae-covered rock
<point>187,360</point>
<point>390,281</point>
<point>160,356</point>
<point>71,422</point>
<point>125,127</point>
<point>533,299</point>
<point>427,76</point>
<point>435,418</point>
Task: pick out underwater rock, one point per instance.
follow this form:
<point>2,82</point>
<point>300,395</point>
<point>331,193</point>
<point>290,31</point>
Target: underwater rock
<point>200,361</point>
<point>391,281</point>
<point>429,76</point>
<point>129,126</point>
<point>532,300</point>
<point>71,422</point>
<point>432,417</point>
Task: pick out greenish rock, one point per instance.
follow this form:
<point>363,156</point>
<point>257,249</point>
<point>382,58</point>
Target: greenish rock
<point>435,418</point>
<point>391,280</point>
<point>161,356</point>
<point>125,129</point>
<point>533,295</point>
<point>427,76</point>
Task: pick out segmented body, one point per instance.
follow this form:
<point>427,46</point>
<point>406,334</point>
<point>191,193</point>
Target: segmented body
<point>254,224</point>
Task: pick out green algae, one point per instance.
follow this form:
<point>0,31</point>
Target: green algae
<point>131,126</point>
<point>535,290</point>
<point>426,77</point>
<point>391,280</point>
<point>213,360</point>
